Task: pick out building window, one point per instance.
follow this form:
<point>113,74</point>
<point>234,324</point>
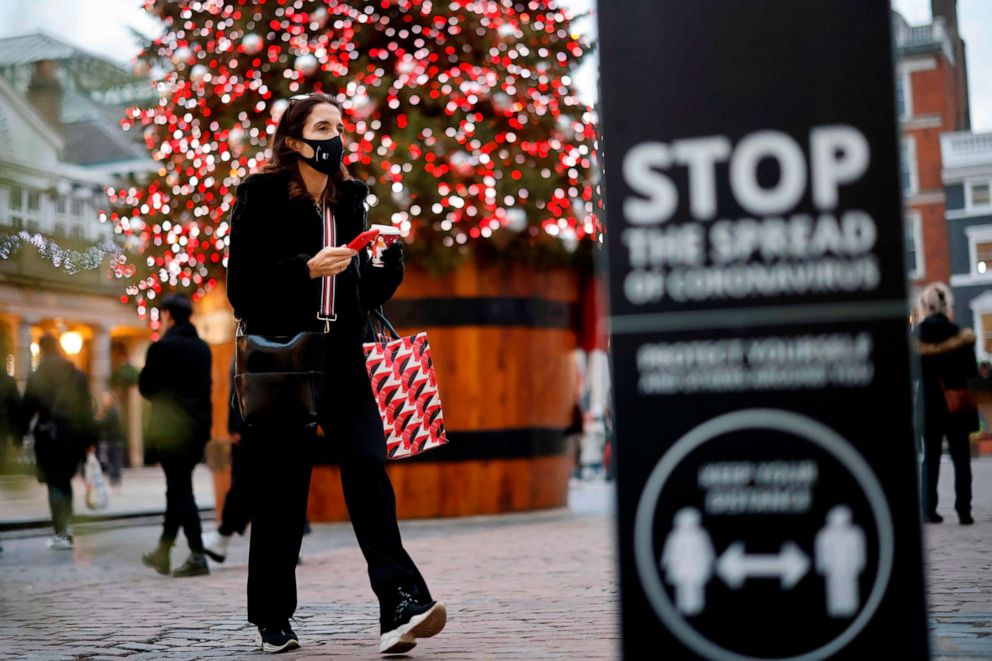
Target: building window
<point>983,257</point>
<point>915,267</point>
<point>981,314</point>
<point>34,200</point>
<point>985,321</point>
<point>61,204</point>
<point>979,194</point>
<point>980,250</point>
<point>17,222</point>
<point>33,226</point>
<point>77,208</point>
<point>910,182</point>
<point>904,96</point>
<point>16,200</point>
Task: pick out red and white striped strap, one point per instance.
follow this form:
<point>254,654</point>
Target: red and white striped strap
<point>327,285</point>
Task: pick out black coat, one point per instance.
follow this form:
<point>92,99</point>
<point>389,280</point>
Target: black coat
<point>947,356</point>
<point>59,394</point>
<point>176,379</point>
<point>268,280</point>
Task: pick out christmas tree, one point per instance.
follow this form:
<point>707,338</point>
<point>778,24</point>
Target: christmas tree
<point>461,116</point>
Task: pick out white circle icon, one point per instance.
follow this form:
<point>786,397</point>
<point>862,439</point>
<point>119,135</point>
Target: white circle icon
<point>686,522</point>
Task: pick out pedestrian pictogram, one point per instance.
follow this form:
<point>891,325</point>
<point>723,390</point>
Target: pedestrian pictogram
<point>688,561</point>
<point>840,553</point>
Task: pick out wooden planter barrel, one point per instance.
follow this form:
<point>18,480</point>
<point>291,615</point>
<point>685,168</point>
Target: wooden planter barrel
<point>501,339</point>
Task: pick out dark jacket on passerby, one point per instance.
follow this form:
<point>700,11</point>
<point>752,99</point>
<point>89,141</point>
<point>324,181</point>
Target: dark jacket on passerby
<point>59,394</point>
<point>10,410</point>
<point>272,238</point>
<point>111,429</point>
<point>947,360</point>
<point>176,380</point>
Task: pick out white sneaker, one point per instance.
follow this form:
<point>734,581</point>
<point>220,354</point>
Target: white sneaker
<point>215,545</point>
<point>59,542</point>
<point>412,621</point>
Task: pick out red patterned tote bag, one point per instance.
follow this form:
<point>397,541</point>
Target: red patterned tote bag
<point>405,386</point>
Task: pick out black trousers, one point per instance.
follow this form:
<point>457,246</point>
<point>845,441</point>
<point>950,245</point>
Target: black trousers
<point>60,500</point>
<point>960,451</point>
<point>112,461</point>
<point>56,464</point>
<point>180,504</point>
<point>278,465</point>
<point>236,514</point>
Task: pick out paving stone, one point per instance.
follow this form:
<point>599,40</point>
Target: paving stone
<point>518,587</point>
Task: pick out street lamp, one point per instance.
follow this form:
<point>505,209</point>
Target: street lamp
<point>72,342</point>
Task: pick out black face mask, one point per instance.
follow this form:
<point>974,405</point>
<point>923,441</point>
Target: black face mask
<point>327,155</point>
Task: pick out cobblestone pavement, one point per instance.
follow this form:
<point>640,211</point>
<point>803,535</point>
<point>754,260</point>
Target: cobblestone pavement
<point>529,586</point>
<point>959,560</point>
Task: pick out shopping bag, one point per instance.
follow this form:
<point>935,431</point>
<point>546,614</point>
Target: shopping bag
<point>405,387</point>
<point>97,495</point>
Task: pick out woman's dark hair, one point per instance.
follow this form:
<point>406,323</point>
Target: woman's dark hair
<point>284,159</point>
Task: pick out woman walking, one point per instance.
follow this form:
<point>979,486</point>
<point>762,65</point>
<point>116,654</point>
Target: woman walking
<point>947,358</point>
<point>276,268</point>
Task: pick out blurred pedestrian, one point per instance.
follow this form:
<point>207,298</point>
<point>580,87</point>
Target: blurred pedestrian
<point>59,395</point>
<point>10,417</point>
<point>285,281</point>
<point>610,445</point>
<point>111,445</point>
<point>573,432</point>
<point>947,359</point>
<point>594,428</point>
<point>176,380</point>
<point>236,514</point>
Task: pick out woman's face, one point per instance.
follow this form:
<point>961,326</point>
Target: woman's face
<point>323,123</point>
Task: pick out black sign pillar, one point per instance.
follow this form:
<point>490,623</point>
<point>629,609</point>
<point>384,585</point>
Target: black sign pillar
<point>767,481</point>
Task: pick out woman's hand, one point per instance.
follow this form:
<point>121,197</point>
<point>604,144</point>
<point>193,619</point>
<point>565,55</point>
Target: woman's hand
<point>330,261</point>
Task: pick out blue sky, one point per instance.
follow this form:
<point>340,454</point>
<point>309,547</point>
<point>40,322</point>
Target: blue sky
<point>102,26</point>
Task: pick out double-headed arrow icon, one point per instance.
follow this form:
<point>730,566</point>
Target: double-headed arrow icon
<point>789,565</point>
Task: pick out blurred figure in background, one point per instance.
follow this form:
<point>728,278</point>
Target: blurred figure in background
<point>594,430</point>
<point>573,433</point>
<point>176,380</point>
<point>59,395</point>
<point>10,406</point>
<point>111,445</point>
<point>947,362</point>
<point>10,416</point>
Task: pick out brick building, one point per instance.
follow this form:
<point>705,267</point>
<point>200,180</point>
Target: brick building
<point>967,174</point>
<point>932,98</point>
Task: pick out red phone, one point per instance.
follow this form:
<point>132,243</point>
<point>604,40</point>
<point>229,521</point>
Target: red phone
<point>363,239</point>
